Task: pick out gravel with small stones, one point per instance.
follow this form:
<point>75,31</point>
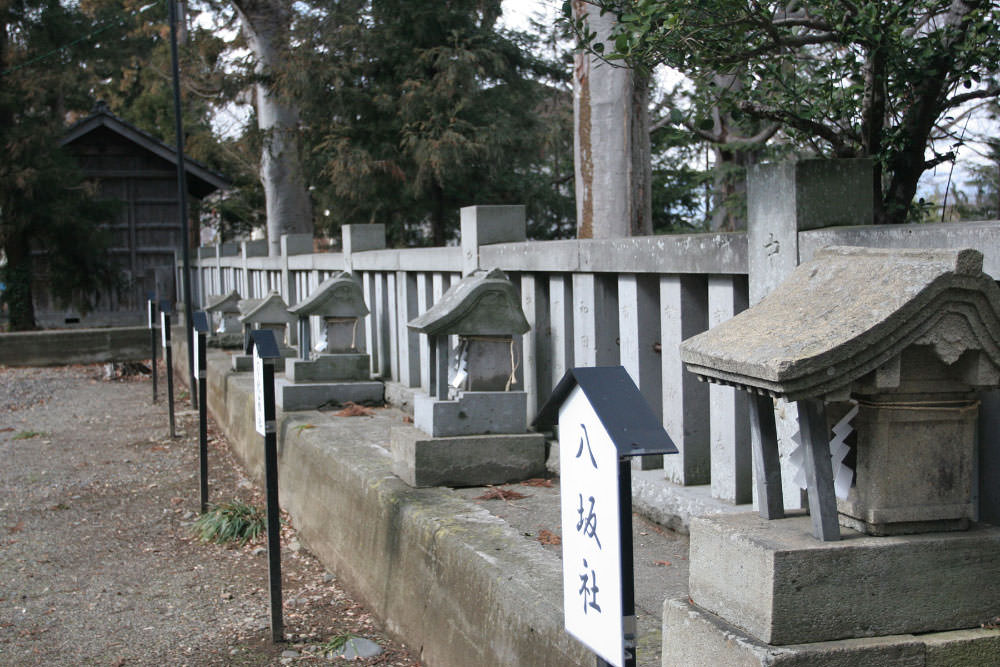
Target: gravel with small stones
<point>98,565</point>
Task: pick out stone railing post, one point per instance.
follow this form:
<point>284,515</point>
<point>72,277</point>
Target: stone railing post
<point>358,238</point>
<point>484,225</point>
<point>782,200</point>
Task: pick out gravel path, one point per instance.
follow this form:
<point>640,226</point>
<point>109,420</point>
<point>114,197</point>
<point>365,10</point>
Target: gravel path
<point>97,562</point>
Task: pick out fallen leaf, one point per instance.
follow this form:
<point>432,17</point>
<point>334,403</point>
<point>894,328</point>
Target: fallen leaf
<point>352,409</point>
<point>17,527</point>
<point>661,563</point>
<point>6,429</point>
<point>496,493</point>
<point>548,537</point>
<point>407,419</point>
<point>538,481</point>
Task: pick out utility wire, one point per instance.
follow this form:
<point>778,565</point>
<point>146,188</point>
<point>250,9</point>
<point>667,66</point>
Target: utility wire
<point>78,40</point>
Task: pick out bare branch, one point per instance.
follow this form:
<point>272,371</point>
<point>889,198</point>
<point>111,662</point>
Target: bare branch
<point>981,94</point>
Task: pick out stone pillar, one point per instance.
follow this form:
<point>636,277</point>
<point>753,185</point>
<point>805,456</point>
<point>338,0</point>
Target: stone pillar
<point>358,238</point>
<point>485,225</point>
<point>782,200</point>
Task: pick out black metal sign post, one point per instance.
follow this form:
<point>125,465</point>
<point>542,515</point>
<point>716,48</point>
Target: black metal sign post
<point>151,317</point>
<point>201,366</point>
<point>265,351</point>
<point>168,358</point>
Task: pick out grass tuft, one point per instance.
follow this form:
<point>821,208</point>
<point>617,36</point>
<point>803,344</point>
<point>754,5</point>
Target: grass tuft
<point>335,644</point>
<point>234,521</point>
<point>27,435</point>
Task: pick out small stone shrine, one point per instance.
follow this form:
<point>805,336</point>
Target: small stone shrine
<point>340,372</point>
<point>227,331</point>
<point>890,559</point>
<point>476,422</point>
<point>271,312</point>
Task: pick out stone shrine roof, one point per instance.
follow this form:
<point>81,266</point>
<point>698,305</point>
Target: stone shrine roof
<point>850,311</point>
<point>481,304</point>
<point>337,296</point>
<point>271,309</point>
<point>224,303</point>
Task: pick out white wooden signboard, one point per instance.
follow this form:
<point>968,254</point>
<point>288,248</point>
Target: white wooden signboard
<point>163,329</point>
<point>150,308</point>
<point>258,391</point>
<point>592,586</point>
<point>196,340</point>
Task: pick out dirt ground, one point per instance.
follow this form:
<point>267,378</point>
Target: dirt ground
<point>98,563</point>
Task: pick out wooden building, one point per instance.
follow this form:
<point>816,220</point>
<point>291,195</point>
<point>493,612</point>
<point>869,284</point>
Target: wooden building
<point>141,172</point>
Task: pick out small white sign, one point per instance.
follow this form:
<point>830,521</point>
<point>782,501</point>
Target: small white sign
<point>591,535</point>
<point>258,391</point>
<point>197,354</point>
<point>163,329</point>
<point>150,309</point>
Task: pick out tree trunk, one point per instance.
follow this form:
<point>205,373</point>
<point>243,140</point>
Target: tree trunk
<point>611,142</point>
<point>289,211</point>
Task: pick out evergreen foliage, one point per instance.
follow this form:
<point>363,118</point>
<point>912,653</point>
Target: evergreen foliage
<point>414,110</point>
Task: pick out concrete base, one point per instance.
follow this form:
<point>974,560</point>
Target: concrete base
<point>243,363</point>
<point>76,346</point>
<point>290,396</point>
<point>693,636</point>
<point>776,582</point>
<point>227,341</point>
<point>474,413</point>
<point>329,368</point>
<point>471,460</point>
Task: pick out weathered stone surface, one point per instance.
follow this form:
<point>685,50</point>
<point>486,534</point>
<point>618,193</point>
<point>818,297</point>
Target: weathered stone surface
<point>75,346</point>
<point>311,396</point>
<point>778,584</point>
<point>337,296</point>
<point>471,460</point>
<point>481,304</point>
<point>329,368</point>
<point>474,413</point>
<point>693,636</point>
<point>847,313</point>
<point>272,309</point>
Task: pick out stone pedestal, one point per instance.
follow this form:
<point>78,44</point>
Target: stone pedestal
<point>469,460</point>
<point>329,379</point>
<point>780,586</point>
<point>693,636</point>
<point>291,396</point>
<point>226,341</point>
<point>474,413</point>
<point>243,363</point>
<point>329,368</point>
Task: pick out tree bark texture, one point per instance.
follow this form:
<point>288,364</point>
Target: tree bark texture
<point>289,210</point>
<point>611,141</point>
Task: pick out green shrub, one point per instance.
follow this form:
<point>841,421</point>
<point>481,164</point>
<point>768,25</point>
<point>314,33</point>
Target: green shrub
<point>234,521</point>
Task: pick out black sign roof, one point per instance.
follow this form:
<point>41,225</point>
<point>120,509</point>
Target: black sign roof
<point>267,346</point>
<point>622,410</point>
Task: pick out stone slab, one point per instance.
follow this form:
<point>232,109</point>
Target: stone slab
<point>474,413</point>
<point>776,582</point>
<point>234,340</point>
<point>290,396</point>
<point>693,636</point>
<point>465,460</point>
<point>75,346</point>
<point>329,368</point>
<point>243,363</point>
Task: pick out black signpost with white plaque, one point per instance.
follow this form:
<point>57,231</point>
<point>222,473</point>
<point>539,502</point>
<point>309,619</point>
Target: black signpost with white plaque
<point>262,344</point>
<point>200,367</point>
<point>603,422</point>
<point>168,359</point>
<point>151,323</point>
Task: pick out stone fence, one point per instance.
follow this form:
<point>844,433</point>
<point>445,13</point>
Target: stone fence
<point>624,301</point>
